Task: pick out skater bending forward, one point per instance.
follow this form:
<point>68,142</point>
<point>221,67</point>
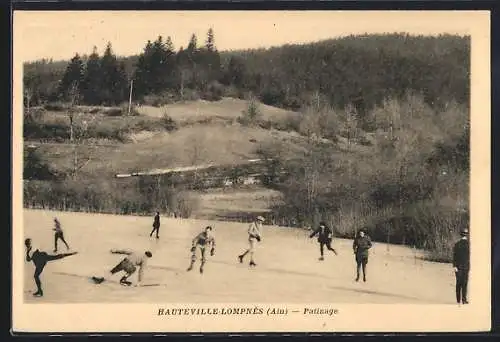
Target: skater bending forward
<point>40,259</point>
<point>203,241</point>
<point>324,238</point>
<point>128,265</point>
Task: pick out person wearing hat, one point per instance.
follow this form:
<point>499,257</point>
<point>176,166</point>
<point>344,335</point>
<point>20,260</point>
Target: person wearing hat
<point>58,234</point>
<point>202,240</point>
<point>362,243</point>
<point>461,266</point>
<point>325,235</point>
<point>156,225</point>
<point>129,265</point>
<point>254,236</point>
<point>40,259</point>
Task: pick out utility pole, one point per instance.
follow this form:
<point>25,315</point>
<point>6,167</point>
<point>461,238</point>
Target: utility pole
<point>130,96</point>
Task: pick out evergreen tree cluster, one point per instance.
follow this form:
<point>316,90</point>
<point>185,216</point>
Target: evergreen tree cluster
<point>98,80</point>
<point>361,71</point>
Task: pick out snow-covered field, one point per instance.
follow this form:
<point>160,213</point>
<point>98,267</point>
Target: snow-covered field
<point>288,268</point>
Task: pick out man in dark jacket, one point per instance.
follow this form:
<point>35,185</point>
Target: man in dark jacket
<point>40,259</point>
<point>362,243</point>
<point>156,225</point>
<point>324,238</point>
<point>461,266</point>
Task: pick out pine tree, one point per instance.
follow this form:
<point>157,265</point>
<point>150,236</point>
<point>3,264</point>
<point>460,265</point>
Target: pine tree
<point>236,72</point>
<point>210,42</point>
<point>73,76</point>
<point>114,81</point>
<point>212,58</point>
<point>91,86</point>
<point>143,74</point>
<point>193,44</point>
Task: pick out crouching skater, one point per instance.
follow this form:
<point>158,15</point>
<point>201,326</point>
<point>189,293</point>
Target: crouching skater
<point>128,265</point>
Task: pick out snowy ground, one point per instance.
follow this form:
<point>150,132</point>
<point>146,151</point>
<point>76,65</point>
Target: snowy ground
<point>288,268</point>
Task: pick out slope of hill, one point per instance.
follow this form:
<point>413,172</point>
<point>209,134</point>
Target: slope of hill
<point>223,142</point>
<point>226,108</point>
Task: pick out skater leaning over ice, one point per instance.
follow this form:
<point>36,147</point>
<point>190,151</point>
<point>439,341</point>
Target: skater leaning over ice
<point>156,225</point>
<point>325,235</point>
<point>203,241</point>
<point>58,234</point>
<point>461,266</point>
<point>254,236</point>
<point>129,265</point>
<point>40,259</point>
<point>362,243</point>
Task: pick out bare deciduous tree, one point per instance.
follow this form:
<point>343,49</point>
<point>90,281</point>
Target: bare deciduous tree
<point>77,135</point>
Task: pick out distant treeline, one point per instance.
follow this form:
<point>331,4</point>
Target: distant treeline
<point>357,70</point>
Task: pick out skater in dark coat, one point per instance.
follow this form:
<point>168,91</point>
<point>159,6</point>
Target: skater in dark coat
<point>40,259</point>
<point>324,238</point>
<point>58,235</point>
<point>461,266</point>
<point>156,225</point>
<point>362,243</point>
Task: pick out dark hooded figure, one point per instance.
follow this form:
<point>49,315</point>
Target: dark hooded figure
<point>461,266</point>
<point>40,259</point>
<point>362,243</point>
<point>324,238</point>
<point>156,225</point>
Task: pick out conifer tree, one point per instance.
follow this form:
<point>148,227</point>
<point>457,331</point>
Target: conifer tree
<point>91,85</point>
<point>73,75</point>
<point>114,81</point>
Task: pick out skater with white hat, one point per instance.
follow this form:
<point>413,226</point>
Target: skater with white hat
<point>254,236</point>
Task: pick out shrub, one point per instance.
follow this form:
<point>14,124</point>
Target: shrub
<point>168,123</point>
<point>55,131</point>
<point>34,115</point>
<point>251,115</point>
<point>35,168</point>
<point>214,92</point>
<point>161,99</point>
<point>113,111</point>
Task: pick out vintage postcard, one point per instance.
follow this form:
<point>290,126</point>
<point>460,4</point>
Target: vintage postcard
<point>251,172</point>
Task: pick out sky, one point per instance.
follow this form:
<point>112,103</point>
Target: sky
<point>59,35</point>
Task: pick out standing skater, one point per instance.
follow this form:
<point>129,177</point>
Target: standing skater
<point>202,240</point>
<point>461,266</point>
<point>362,243</point>
<point>58,234</point>
<point>129,265</point>
<point>324,238</point>
<point>254,236</point>
<point>40,259</point>
<point>156,225</point>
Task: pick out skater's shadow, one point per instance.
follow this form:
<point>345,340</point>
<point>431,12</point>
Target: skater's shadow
<point>166,268</point>
<point>276,270</point>
<point>322,276</point>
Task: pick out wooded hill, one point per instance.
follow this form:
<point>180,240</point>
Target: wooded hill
<point>358,70</point>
